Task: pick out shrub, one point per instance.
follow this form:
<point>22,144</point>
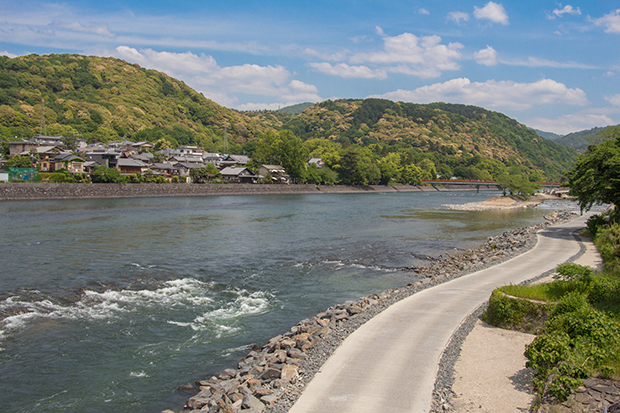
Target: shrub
<point>594,223</point>
<point>514,313</point>
<point>573,301</point>
<point>605,290</point>
<point>607,242</point>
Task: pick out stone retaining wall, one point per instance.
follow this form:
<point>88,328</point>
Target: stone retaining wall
<point>37,191</point>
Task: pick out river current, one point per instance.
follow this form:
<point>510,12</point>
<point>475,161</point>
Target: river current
<point>111,305</point>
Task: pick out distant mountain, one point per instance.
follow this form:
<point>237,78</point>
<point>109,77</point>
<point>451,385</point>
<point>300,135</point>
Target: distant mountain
<point>296,109</point>
<point>547,135</point>
<point>579,140</point>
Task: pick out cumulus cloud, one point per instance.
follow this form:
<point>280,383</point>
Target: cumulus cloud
<point>7,54</point>
<point>493,94</point>
<point>218,83</point>
<point>610,21</point>
<point>493,12</point>
<point>346,71</point>
<point>486,57</point>
<point>568,9</point>
<point>570,123</point>
<point>457,16</point>
<point>425,57</point>
<point>613,99</point>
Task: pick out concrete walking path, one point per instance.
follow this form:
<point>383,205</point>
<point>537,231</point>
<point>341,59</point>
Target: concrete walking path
<point>390,363</point>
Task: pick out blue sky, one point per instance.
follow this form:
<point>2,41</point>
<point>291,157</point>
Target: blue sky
<point>553,66</point>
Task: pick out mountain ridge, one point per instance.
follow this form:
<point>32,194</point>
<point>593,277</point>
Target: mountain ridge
<point>109,99</point>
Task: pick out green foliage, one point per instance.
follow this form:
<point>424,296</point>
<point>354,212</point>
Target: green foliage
<point>605,290</point>
<point>594,223</point>
<point>595,178</point>
<point>19,162</point>
<point>105,175</point>
<point>607,242</point>
<point>509,312</point>
<point>284,149</point>
<point>205,174</point>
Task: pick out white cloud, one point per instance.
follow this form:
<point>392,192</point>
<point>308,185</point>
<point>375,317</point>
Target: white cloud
<point>341,55</point>
<point>569,123</point>
<point>424,56</point>
<point>493,94</point>
<point>487,57</point>
<point>493,12</point>
<point>221,83</point>
<point>610,21</point>
<point>613,99</point>
<point>457,16</point>
<point>568,9</point>
<point>78,27</point>
<point>538,62</point>
<point>346,71</point>
<point>7,54</point>
<point>424,11</point>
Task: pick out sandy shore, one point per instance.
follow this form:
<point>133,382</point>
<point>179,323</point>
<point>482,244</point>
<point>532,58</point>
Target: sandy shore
<point>501,202</point>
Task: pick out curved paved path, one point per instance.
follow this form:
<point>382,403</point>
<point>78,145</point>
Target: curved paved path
<point>389,364</point>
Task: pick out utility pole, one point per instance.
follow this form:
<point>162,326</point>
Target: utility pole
<point>42,133</point>
<point>225,140</point>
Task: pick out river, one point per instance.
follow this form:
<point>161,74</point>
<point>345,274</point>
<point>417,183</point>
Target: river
<point>111,305</point>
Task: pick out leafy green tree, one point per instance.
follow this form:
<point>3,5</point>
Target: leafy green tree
<point>19,162</point>
<point>595,178</point>
<point>357,167</point>
<point>517,184</point>
<point>204,174</point>
<point>391,168</point>
<point>413,174</point>
<point>105,175</point>
<point>285,149</point>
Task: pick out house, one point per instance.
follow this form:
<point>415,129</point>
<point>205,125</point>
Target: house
<point>276,172</point>
<point>129,166</point>
<point>317,161</point>
<point>104,157</point>
<point>17,147</point>
<point>143,146</point>
<point>230,160</point>
<point>167,170</point>
<point>68,161</point>
<point>46,156</point>
<point>238,174</point>
<point>47,140</point>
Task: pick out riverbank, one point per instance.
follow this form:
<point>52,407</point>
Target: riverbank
<point>272,377</point>
<point>41,191</point>
<point>502,202</point>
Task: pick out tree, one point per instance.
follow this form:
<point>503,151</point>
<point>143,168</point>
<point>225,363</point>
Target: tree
<point>285,149</point>
<point>19,162</point>
<point>517,184</point>
<point>105,175</point>
<point>595,178</point>
<point>204,174</point>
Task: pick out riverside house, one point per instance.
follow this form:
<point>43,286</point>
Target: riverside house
<point>238,174</point>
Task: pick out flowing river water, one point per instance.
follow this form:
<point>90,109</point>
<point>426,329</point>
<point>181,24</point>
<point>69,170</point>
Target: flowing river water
<point>111,305</point>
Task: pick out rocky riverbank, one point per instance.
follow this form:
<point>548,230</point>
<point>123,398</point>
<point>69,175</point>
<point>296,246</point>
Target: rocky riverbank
<point>272,376</point>
<point>41,191</point>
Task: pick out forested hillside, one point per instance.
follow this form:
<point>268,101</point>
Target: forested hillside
<point>107,99</point>
<point>442,128</point>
